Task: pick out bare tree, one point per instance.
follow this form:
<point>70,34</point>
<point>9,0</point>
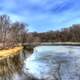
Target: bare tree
<point>4,26</point>
<point>11,34</point>
<point>18,31</point>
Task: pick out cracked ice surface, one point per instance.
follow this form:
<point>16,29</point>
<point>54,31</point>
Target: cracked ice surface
<point>54,63</point>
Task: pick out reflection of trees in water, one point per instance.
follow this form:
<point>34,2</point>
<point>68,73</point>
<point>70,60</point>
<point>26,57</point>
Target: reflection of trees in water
<point>9,66</point>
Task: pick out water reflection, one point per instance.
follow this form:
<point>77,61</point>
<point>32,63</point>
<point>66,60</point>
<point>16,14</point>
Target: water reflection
<point>46,62</point>
<point>11,68</point>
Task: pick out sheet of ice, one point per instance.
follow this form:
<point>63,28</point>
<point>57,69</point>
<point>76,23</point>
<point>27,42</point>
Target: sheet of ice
<point>54,62</point>
<point>49,48</point>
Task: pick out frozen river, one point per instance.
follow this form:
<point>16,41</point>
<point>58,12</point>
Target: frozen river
<point>54,63</point>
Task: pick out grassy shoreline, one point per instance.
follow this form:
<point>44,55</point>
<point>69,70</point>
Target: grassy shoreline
<point>10,52</point>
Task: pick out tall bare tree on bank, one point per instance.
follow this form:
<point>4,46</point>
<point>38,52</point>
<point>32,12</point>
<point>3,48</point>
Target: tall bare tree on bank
<point>18,31</point>
<point>4,28</point>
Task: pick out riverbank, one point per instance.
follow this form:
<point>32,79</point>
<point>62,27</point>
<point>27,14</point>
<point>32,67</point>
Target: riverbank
<point>51,43</point>
<point>10,52</point>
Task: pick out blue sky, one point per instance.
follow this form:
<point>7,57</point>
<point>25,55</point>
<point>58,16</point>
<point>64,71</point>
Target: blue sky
<point>43,15</point>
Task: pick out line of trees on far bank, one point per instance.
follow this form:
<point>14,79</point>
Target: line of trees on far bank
<point>70,34</point>
<point>13,33</point>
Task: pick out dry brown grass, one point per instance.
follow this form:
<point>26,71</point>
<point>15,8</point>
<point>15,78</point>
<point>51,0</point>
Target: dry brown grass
<point>10,52</point>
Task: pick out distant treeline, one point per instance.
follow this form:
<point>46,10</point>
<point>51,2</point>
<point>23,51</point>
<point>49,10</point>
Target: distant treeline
<point>71,34</point>
<point>13,33</point>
